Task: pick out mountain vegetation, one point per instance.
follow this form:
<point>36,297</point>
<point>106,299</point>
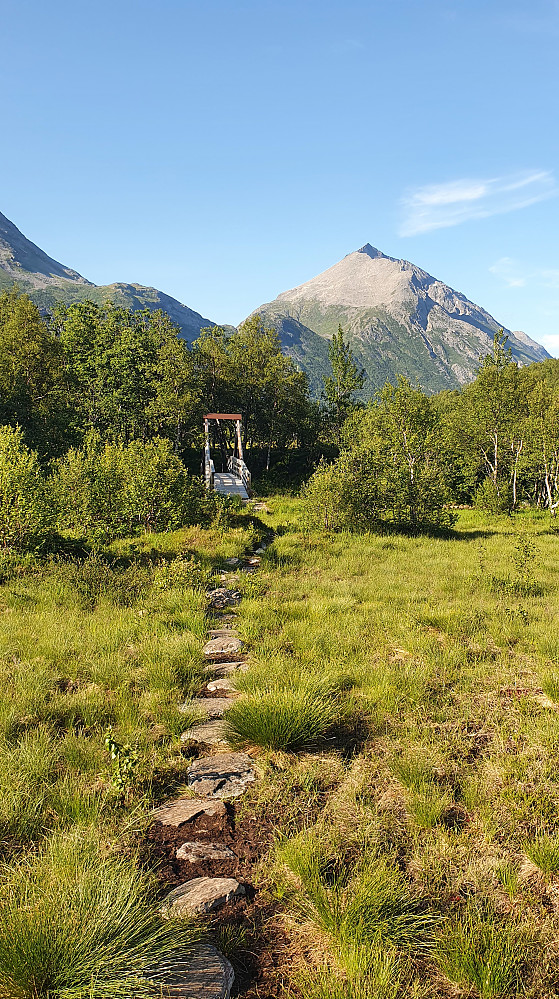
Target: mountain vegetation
<point>49,283</point>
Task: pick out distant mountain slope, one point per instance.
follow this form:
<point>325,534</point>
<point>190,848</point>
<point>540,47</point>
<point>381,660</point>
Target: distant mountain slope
<point>399,319</point>
<point>47,282</point>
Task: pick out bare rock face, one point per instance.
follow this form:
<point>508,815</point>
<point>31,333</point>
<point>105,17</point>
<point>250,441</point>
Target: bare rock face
<point>226,646</point>
<point>193,852</point>
<point>203,973</point>
<point>398,319</point>
<point>224,776</point>
<point>213,707</point>
<point>201,895</point>
<point>212,733</point>
<point>177,813</point>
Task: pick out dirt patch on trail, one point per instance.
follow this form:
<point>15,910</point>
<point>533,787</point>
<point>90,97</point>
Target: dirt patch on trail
<point>249,931</point>
<point>249,839</point>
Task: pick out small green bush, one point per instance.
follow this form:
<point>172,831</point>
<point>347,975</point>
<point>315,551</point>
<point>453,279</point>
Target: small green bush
<point>494,497</point>
<point>182,572</point>
<point>27,512</point>
<point>94,578</point>
<point>281,718</point>
<point>76,923</point>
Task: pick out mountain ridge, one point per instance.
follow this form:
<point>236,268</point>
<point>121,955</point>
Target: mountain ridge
<point>399,318</point>
<point>49,282</point>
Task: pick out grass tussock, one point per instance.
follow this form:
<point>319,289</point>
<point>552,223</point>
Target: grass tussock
<point>488,954</point>
<point>282,719</point>
<point>76,923</point>
<point>357,907</point>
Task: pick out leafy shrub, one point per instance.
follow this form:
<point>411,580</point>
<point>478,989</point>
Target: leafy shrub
<point>94,578</point>
<point>27,512</point>
<point>389,472</point>
<point>111,490</point>
<point>523,583</point>
<point>182,572</point>
<point>125,760</point>
<point>324,507</point>
<point>484,952</point>
<point>494,497</point>
<point>281,718</point>
<point>75,923</point>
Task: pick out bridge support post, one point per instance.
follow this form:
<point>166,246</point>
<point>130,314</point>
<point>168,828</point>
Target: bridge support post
<point>239,439</point>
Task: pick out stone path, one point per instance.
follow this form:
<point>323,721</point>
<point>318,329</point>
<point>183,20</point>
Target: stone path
<point>214,779</point>
<point>203,972</point>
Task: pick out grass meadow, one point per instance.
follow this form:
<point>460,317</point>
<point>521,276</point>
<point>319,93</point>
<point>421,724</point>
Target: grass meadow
<point>402,703</point>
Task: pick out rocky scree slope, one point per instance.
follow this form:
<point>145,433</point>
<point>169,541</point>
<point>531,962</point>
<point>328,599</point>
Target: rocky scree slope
<point>399,320</point>
<point>48,282</point>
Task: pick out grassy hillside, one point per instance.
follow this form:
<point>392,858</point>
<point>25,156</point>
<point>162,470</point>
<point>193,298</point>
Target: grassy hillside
<point>407,826</point>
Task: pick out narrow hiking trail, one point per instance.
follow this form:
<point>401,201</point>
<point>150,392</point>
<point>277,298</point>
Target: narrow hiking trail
<point>203,850</point>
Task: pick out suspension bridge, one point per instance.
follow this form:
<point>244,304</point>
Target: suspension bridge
<point>235,479</point>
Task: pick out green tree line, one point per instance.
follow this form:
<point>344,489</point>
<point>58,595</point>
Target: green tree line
<point>94,392</point>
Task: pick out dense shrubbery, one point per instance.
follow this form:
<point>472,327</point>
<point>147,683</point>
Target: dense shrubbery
<point>112,490</point>
<point>389,470</point>
<point>27,512</point>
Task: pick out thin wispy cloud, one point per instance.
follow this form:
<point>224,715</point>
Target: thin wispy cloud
<point>508,270</point>
<point>439,206</point>
<point>517,275</point>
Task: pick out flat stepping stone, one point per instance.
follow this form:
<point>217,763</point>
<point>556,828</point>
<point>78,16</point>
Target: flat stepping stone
<point>223,633</point>
<point>193,852</point>
<point>200,896</point>
<point>226,646</point>
<point>223,776</point>
<point>226,668</point>
<point>211,732</point>
<point>182,810</point>
<point>223,597</point>
<point>213,707</point>
<point>222,685</point>
<point>232,563</point>
<point>203,973</point>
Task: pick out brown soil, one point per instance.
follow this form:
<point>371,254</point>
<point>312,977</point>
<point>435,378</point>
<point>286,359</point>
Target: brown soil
<point>247,931</point>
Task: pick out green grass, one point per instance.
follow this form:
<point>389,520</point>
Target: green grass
<point>485,953</point>
<point>357,907</point>
<point>543,851</point>
<point>76,923</point>
<point>281,718</point>
<point>403,685</point>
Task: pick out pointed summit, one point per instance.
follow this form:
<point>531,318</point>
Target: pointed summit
<point>399,320</point>
<point>371,251</point>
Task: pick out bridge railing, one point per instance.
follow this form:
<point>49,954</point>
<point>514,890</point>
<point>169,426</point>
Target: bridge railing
<point>238,468</point>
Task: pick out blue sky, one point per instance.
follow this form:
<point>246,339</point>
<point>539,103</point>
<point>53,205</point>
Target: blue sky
<point>226,151</point>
